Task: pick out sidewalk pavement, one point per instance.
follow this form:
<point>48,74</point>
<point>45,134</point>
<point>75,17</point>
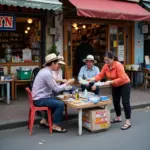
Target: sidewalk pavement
<point>16,114</point>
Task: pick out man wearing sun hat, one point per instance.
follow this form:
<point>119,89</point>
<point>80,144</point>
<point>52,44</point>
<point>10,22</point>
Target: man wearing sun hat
<point>42,91</point>
<point>87,71</point>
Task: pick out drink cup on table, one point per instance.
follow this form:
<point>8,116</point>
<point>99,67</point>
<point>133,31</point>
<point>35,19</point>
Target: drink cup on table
<point>66,95</point>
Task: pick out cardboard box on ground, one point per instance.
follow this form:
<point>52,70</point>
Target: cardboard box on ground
<point>96,119</point>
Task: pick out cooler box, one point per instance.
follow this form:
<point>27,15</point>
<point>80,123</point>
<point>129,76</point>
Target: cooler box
<point>24,74</point>
<point>96,119</point>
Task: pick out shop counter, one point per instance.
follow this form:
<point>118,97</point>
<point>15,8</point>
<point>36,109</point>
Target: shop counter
<point>10,68</point>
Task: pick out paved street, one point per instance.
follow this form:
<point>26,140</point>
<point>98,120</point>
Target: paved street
<point>17,111</point>
<point>136,138</point>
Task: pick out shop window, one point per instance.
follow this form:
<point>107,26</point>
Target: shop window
<point>26,36</point>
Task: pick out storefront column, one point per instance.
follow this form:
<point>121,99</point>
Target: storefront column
<point>49,24</point>
<point>59,31</point>
<point>138,49</point>
<point>138,44</point>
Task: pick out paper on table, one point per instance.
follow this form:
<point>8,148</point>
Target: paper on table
<point>89,94</point>
<point>83,82</point>
<point>99,83</point>
<point>69,87</point>
<point>71,100</point>
<point>60,96</point>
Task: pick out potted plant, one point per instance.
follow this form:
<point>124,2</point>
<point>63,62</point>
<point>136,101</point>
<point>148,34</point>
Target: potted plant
<point>53,49</point>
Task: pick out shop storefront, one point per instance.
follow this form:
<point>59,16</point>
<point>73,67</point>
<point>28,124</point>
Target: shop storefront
<point>23,33</point>
<point>115,30</point>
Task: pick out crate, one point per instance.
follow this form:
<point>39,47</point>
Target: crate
<point>24,74</point>
<point>97,119</point>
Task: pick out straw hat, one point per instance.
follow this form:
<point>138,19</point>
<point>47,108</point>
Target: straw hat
<point>61,60</point>
<point>49,58</point>
<point>89,57</point>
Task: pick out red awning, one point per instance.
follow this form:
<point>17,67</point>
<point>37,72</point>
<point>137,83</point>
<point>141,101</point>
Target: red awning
<point>111,9</point>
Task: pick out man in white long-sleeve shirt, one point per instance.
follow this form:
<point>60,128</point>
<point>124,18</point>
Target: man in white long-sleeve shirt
<point>43,86</point>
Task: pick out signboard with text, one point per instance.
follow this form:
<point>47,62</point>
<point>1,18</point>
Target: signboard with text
<point>7,22</point>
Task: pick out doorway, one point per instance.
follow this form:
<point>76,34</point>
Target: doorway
<point>102,37</point>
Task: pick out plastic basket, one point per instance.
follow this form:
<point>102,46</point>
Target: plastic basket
<point>24,74</point>
<point>147,66</point>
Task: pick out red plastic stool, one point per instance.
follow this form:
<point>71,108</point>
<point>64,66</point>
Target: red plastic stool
<point>66,113</point>
<point>32,111</point>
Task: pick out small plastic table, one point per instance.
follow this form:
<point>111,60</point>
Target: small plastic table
<point>82,107</point>
<point>7,83</point>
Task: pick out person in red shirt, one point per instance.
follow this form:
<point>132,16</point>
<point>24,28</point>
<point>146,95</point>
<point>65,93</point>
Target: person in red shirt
<point>120,82</point>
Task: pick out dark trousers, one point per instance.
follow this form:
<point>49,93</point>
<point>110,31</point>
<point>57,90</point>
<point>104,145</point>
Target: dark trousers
<point>88,88</point>
<point>56,106</point>
<point>122,92</point>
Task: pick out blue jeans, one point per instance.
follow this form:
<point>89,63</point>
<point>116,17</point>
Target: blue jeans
<point>56,106</point>
<point>88,88</point>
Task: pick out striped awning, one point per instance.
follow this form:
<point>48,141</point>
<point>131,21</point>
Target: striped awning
<point>39,4</point>
<point>111,9</point>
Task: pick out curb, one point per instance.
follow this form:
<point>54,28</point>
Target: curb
<point>70,117</point>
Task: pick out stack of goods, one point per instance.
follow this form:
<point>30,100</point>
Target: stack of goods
<point>84,82</point>
<point>8,54</point>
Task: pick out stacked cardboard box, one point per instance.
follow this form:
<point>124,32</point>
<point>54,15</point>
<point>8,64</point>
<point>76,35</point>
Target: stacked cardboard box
<point>96,119</point>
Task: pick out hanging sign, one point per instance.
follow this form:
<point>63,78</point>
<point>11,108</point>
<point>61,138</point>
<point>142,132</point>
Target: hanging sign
<point>113,30</point>
<point>121,52</point>
<point>7,22</point>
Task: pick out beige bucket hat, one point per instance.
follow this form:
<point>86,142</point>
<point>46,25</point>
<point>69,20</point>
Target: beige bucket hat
<point>49,58</point>
<point>90,57</point>
<point>61,60</point>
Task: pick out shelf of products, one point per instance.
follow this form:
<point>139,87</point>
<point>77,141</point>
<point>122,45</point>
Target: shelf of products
<point>14,39</point>
<point>35,41</point>
<point>18,40</point>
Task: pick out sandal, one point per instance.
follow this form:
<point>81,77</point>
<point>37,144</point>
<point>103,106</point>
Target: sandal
<point>62,130</point>
<point>115,121</point>
<point>42,125</point>
<point>125,126</point>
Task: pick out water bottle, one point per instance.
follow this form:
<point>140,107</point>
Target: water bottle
<point>77,94</point>
<point>85,93</point>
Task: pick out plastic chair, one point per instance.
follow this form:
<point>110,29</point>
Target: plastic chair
<point>32,111</point>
